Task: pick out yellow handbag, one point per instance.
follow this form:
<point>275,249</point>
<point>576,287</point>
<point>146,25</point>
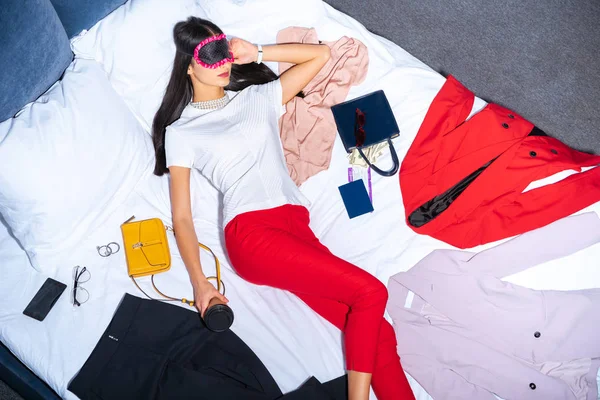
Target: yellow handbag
<point>147,253</point>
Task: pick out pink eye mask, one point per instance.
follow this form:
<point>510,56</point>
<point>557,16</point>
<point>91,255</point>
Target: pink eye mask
<point>213,52</point>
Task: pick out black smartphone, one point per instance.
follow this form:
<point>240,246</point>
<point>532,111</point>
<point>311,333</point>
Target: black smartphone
<point>44,299</point>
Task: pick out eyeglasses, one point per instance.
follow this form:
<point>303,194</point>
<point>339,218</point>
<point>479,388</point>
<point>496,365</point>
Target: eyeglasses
<point>80,295</point>
<point>107,250</point>
<point>359,131</point>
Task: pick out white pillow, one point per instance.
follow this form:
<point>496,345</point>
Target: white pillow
<point>135,42</point>
<point>135,46</point>
<point>260,20</point>
<point>67,161</point>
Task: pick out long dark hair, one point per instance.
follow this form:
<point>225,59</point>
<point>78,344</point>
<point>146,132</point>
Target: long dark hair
<point>187,34</point>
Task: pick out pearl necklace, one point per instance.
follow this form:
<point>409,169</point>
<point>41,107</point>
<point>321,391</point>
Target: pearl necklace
<point>211,104</point>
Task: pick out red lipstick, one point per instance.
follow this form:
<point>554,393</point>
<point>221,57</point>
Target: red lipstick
<point>224,75</point>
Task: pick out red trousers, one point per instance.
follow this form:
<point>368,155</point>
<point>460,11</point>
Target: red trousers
<point>276,247</point>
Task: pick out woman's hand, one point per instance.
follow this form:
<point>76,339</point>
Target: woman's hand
<point>204,292</point>
<point>243,51</point>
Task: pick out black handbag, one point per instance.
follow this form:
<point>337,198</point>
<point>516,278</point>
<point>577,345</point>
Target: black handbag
<point>365,121</point>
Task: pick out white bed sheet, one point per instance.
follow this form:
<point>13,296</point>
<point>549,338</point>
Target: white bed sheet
<point>292,341</point>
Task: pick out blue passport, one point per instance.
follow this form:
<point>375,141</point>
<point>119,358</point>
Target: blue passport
<point>356,199</point>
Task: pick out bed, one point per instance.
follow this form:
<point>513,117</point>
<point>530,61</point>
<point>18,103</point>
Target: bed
<point>292,341</point>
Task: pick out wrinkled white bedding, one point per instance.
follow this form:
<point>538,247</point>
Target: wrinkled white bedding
<point>292,341</point>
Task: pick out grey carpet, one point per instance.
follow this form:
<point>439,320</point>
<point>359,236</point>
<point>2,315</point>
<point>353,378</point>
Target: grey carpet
<point>538,58</point>
<point>6,393</point>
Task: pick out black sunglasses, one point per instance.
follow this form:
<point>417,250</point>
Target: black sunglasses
<point>80,295</point>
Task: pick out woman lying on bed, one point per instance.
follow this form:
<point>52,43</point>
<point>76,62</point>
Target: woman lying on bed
<point>220,115</point>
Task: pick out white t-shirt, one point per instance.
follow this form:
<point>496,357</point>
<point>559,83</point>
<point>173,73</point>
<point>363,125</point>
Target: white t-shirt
<point>238,149</point>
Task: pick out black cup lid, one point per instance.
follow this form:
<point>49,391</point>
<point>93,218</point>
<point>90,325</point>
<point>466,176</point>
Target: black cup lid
<point>218,318</point>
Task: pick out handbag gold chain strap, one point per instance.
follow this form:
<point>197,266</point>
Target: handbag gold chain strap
<point>220,283</point>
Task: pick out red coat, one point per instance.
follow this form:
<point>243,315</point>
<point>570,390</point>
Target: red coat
<point>441,201</point>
